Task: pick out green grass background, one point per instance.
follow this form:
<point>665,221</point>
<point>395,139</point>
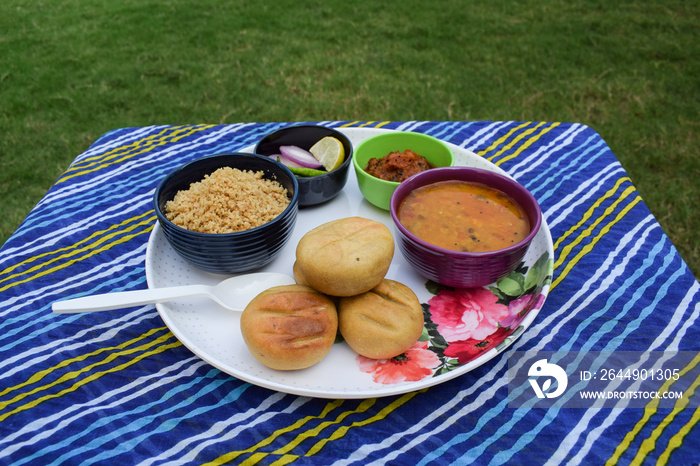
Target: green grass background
<point>72,70</point>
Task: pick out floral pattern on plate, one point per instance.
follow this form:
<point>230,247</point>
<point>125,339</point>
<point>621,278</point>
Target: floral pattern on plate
<point>463,323</point>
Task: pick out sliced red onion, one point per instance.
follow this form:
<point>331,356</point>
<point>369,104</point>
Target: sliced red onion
<point>300,156</point>
<point>286,161</point>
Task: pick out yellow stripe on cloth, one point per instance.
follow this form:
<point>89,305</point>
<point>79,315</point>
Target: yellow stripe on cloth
<point>382,414</point>
<point>650,410</point>
<point>96,243</point>
<point>589,213</point>
<point>114,157</point>
<point>373,124</point>
<point>228,457</point>
<point>315,432</point>
<point>589,247</point>
<point>677,440</point>
<point>286,458</point>
<point>566,250</point>
<point>500,141</point>
<point>92,376</point>
<point>42,374</point>
<point>139,143</point>
<point>356,124</point>
<point>525,145</point>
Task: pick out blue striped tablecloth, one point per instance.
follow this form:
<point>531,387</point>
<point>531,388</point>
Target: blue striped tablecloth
<point>119,388</point>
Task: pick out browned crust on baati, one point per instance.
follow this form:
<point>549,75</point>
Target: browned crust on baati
<point>383,322</point>
<point>289,327</point>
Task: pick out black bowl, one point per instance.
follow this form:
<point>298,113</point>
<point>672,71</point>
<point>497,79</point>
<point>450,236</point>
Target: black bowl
<point>313,189</point>
<point>228,253</point>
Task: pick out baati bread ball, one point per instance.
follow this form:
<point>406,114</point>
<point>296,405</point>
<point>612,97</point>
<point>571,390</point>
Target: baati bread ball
<point>289,327</point>
<point>381,323</point>
<point>298,276</point>
<point>345,257</point>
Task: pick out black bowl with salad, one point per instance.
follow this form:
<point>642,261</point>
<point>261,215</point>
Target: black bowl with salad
<point>320,158</point>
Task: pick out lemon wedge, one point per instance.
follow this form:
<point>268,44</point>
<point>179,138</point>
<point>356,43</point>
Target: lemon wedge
<point>330,152</point>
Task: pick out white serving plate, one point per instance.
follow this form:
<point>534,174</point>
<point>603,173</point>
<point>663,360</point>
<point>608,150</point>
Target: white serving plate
<point>213,333</point>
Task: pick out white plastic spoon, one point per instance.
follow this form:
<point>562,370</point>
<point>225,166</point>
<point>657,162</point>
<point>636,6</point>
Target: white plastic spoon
<point>233,293</point>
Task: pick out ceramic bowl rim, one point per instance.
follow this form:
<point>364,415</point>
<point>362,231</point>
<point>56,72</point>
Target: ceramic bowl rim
<point>395,184</point>
<point>293,202</point>
<point>442,174</point>
<point>346,162</point>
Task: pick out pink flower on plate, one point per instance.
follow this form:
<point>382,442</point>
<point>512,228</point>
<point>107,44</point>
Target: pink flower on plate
<point>415,364</point>
<point>515,307</point>
<point>538,304</point>
<point>518,308</point>
<point>466,313</point>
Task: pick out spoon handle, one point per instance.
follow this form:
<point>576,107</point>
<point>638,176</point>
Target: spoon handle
<point>109,301</point>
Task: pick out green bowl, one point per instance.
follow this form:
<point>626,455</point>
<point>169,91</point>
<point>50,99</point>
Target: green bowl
<point>378,191</point>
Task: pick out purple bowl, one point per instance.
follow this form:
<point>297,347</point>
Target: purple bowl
<point>456,268</point>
